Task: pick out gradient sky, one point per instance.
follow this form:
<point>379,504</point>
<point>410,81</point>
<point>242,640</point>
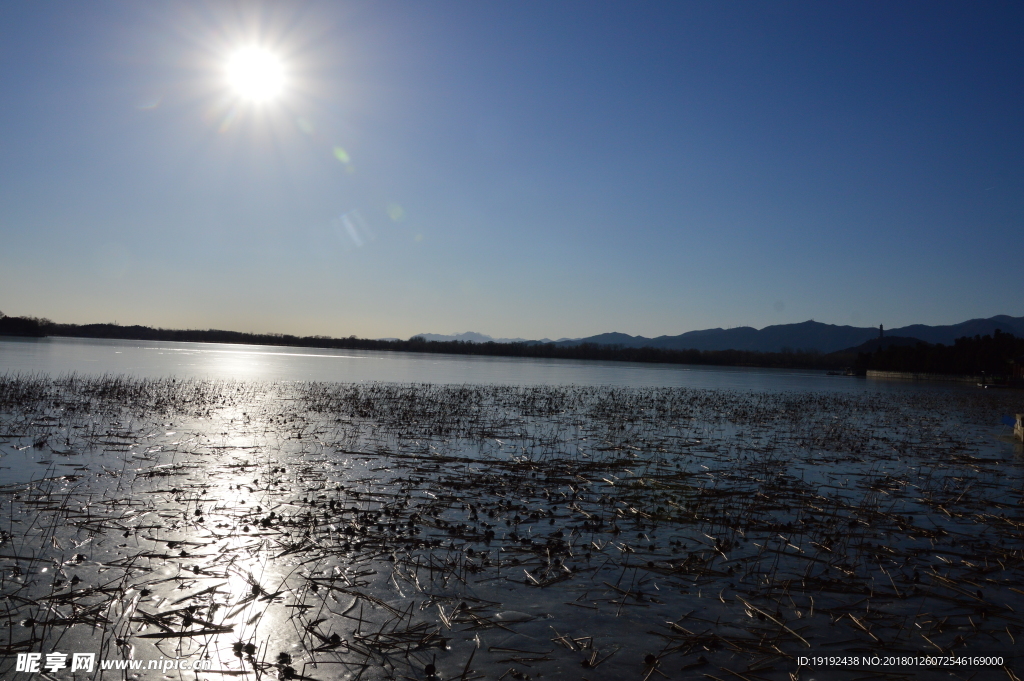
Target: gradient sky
<point>531,169</point>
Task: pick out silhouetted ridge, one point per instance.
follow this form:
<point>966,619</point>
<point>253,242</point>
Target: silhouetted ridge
<point>809,336</point>
<point>888,353</point>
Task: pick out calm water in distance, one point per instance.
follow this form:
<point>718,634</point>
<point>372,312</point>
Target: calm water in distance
<point>155,359</point>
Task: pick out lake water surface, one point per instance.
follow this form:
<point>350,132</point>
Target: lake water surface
<point>371,515</point>
<point>155,359</point>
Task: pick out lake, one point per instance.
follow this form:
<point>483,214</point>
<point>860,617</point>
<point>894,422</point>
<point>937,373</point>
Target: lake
<point>330,514</point>
<point>156,359</point>
<point>379,530</point>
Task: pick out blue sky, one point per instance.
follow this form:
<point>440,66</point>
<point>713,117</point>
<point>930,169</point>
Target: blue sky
<point>527,169</point>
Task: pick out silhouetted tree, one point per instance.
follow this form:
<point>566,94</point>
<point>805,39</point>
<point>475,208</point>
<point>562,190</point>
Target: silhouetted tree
<point>992,355</point>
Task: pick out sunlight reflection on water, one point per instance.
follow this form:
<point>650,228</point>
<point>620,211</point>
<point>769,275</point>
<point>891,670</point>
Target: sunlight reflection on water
<point>154,359</point>
<point>372,530</point>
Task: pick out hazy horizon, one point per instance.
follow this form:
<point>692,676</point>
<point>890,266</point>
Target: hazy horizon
<point>525,170</point>
<point>475,336</point>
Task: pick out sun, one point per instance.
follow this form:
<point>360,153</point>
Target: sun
<point>256,75</point>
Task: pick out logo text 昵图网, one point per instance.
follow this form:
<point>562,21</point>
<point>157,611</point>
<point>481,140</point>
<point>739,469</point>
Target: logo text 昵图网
<point>33,663</point>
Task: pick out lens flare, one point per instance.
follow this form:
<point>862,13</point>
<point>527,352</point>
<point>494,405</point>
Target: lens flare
<point>396,212</point>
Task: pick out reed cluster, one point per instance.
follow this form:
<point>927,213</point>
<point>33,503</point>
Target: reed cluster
<point>423,531</point>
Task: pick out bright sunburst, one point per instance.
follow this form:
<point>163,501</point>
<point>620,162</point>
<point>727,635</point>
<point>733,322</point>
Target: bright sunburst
<point>255,74</point>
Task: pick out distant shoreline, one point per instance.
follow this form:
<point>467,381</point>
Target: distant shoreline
<point>586,351</point>
<point>999,358</point>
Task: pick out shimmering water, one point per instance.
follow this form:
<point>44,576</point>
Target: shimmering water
<point>155,359</point>
<point>384,531</point>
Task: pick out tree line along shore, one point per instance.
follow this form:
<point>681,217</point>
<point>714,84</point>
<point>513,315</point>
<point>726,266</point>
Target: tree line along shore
<point>998,356</point>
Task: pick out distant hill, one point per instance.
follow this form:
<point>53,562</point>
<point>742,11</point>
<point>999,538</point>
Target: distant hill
<point>473,337</point>
<point>884,344</point>
<point>973,327</point>
<point>805,336</point>
<point>997,356</point>
<point>788,344</point>
<point>809,336</point>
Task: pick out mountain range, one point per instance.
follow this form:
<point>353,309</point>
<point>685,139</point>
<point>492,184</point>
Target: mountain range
<point>474,337</point>
<point>806,336</point>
